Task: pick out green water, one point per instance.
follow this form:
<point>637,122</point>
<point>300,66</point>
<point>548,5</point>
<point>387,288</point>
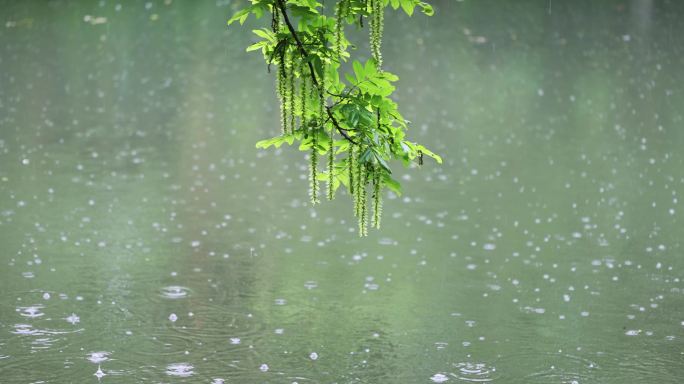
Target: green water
<point>143,238</point>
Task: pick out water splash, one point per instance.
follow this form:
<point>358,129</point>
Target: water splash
<point>180,370</point>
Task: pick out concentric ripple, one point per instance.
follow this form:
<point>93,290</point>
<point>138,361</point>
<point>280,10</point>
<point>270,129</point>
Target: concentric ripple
<point>474,372</point>
<point>174,292</point>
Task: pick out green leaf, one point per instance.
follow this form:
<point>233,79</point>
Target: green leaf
<point>427,152</point>
<point>392,184</point>
<point>407,6</point>
<point>382,162</point>
<point>276,141</point>
<point>390,76</point>
<point>359,71</point>
<point>256,46</point>
<point>365,156</point>
<point>266,34</point>
<point>371,68</point>
<point>426,8</point>
<point>240,15</point>
<point>350,79</point>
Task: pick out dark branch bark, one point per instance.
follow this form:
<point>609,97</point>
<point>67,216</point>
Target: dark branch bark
<point>302,50</point>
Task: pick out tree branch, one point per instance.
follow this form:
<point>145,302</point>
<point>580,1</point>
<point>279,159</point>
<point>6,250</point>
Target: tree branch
<point>302,50</point>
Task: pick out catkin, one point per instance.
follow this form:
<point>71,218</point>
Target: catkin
<point>377,199</point>
<point>303,85</point>
<point>292,93</point>
<point>363,214</point>
<point>350,168</point>
<point>331,166</point>
<point>339,27</point>
<point>357,184</point>
<point>376,30</point>
<point>313,176</point>
<point>282,93</point>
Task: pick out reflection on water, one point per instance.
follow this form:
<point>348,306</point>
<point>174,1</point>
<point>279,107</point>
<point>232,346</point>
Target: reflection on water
<point>145,239</point>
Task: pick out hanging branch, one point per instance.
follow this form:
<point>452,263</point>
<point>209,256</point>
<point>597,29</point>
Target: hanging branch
<point>316,104</point>
<point>314,80</point>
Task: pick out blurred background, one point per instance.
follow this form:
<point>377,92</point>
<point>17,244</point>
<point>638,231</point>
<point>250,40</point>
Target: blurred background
<point>143,237</point>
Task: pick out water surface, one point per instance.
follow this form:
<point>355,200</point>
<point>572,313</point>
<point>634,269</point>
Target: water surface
<point>145,239</point>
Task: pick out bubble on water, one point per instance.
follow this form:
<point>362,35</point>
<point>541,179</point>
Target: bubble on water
<point>173,317</point>
<point>313,356</point>
<point>46,296</point>
<point>235,340</point>
<point>489,247</point>
<point>633,332</point>
<point>263,368</point>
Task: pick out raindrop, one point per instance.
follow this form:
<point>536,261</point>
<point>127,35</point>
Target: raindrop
<point>73,319</point>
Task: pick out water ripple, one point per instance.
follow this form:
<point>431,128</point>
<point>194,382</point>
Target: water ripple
<point>174,292</point>
<point>474,372</point>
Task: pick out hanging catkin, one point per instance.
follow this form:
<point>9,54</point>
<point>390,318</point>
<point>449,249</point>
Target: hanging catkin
<point>331,166</point>
<point>350,168</point>
<point>377,199</point>
<point>303,85</point>
<point>376,30</point>
<point>292,94</point>
<point>313,172</point>
<point>282,93</point>
<point>363,207</point>
<point>340,10</point>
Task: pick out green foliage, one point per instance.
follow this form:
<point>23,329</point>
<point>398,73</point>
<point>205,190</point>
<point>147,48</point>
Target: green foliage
<point>353,121</point>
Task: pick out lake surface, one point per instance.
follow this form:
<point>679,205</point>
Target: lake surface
<point>143,238</point>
